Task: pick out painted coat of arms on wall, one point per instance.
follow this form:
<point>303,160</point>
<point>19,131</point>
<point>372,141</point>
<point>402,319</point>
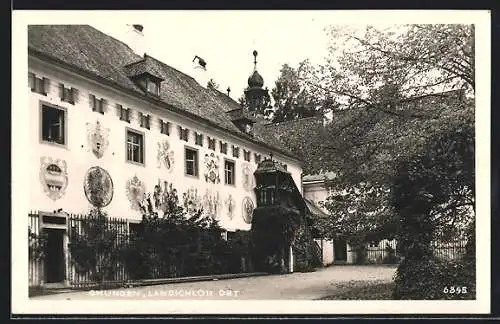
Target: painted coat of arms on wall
<point>165,155</point>
<point>212,203</point>
<point>247,209</point>
<point>97,137</point>
<point>135,190</point>
<point>212,168</point>
<point>230,205</point>
<point>192,201</point>
<point>54,177</point>
<point>164,198</point>
<point>248,177</point>
<point>98,187</point>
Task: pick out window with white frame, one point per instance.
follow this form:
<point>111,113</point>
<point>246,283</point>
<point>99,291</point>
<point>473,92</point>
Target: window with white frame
<point>229,172</point>
<point>53,124</point>
<point>191,162</point>
<point>135,146</point>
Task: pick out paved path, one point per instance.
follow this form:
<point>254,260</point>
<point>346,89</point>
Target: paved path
<point>308,286</point>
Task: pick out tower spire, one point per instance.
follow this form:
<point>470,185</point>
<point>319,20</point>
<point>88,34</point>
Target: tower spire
<point>255,60</point>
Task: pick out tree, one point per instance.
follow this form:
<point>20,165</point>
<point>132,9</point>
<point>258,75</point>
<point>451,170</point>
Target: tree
<point>265,111</point>
<point>393,90</point>
<point>291,98</point>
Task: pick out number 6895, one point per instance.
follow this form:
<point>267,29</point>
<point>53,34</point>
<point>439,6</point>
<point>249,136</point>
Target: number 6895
<point>455,290</point>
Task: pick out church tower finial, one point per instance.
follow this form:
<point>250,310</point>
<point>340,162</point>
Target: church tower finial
<point>256,97</point>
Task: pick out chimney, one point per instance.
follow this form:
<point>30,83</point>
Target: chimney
<point>135,39</point>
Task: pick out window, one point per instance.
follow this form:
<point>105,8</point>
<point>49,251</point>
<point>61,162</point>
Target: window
<point>165,127</point>
<point>53,125</point>
<point>183,133</point>
<point>236,151</point>
<point>223,147</point>
<point>124,113</point>
<point>135,147</point>
<point>256,158</point>
<point>246,155</point>
<point>144,120</point>
<point>248,128</point>
<point>97,104</point>
<point>229,172</point>
<point>153,87</point>
<point>191,162</point>
<point>38,85</point>
<point>373,244</point>
<point>266,197</point>
<point>211,143</point>
<point>67,94</point>
<point>198,139</point>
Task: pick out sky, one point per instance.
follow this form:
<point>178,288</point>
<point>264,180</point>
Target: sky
<point>226,40</point>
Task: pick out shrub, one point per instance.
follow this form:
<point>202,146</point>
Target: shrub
<point>36,245</point>
<point>431,278</point>
<point>179,243</point>
<point>97,249</point>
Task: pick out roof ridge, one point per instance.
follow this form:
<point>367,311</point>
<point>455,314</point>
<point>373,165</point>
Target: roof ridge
<point>293,121</point>
<point>169,66</point>
<point>110,36</point>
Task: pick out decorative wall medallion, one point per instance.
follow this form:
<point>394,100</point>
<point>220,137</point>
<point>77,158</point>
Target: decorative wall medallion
<point>98,187</point>
<point>230,205</point>
<point>211,203</point>
<point>54,177</point>
<point>247,209</point>
<point>248,177</point>
<point>97,137</point>
<point>192,201</point>
<point>212,168</point>
<point>135,190</point>
<point>165,155</point>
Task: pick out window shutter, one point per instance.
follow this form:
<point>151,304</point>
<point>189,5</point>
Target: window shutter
<point>92,102</point>
<point>46,85</point>
<point>74,93</point>
<point>119,109</point>
<point>103,104</point>
<point>61,91</point>
<point>31,81</point>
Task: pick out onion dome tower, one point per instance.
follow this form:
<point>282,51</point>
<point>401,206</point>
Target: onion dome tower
<point>255,95</point>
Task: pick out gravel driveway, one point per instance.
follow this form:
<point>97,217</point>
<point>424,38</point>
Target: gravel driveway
<point>306,286</point>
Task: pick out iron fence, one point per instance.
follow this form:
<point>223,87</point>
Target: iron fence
<point>74,226</point>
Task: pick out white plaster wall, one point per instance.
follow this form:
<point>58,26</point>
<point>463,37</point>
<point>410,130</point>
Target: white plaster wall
<point>327,250</point>
<point>79,157</point>
<point>315,192</point>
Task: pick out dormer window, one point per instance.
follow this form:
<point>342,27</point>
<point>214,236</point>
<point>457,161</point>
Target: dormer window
<point>248,128</point>
<point>153,87</point>
<point>147,74</point>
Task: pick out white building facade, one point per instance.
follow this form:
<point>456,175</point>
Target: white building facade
<point>137,154</point>
<point>100,112</point>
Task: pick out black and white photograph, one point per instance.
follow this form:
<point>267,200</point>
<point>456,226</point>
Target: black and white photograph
<point>225,162</point>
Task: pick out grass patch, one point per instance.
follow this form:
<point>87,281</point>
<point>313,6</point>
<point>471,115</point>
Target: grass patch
<point>362,290</point>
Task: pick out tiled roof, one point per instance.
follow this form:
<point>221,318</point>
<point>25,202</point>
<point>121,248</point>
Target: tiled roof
<point>319,177</point>
<point>146,65</point>
<point>89,50</point>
